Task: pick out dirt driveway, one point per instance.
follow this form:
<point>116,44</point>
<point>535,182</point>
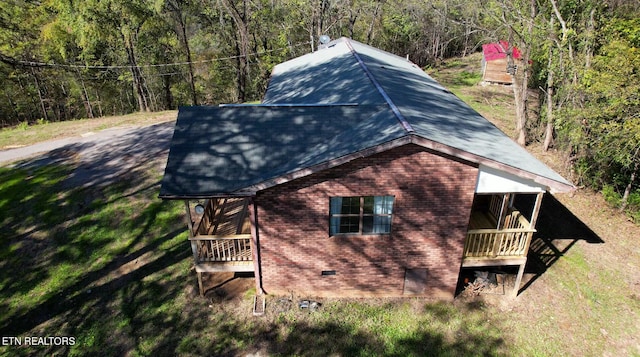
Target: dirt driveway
<point>99,158</point>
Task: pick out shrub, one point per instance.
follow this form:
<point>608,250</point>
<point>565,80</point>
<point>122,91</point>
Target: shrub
<point>24,125</point>
<point>611,196</point>
<point>468,78</point>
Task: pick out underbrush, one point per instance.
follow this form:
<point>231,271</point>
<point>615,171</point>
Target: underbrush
<point>614,198</point>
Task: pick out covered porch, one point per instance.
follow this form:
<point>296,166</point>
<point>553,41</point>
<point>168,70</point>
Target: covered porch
<point>497,231</point>
<point>220,234</point>
<point>502,223</point>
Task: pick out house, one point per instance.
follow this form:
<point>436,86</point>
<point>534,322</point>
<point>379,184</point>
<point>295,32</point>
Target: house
<point>358,175</point>
<point>495,62</point>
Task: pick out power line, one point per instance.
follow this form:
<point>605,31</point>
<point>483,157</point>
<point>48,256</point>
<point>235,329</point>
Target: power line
<point>175,64</point>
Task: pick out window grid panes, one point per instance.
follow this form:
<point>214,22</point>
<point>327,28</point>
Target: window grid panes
<point>361,215</point>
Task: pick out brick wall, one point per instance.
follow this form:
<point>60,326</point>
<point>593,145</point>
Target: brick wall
<point>433,197</point>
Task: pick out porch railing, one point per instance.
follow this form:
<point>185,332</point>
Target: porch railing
<point>511,241</point>
<point>236,248</point>
<point>494,243</point>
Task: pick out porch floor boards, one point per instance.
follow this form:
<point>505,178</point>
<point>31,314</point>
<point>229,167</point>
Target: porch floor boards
<point>482,220</point>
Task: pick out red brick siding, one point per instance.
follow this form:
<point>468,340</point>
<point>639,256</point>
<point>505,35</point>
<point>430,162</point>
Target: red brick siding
<point>433,197</point>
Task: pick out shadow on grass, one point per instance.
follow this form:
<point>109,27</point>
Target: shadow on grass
<point>140,298</point>
<point>346,328</point>
<point>558,229</point>
<point>70,257</point>
<point>81,230</point>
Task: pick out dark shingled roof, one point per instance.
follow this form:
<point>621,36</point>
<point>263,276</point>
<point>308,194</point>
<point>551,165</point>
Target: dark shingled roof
<point>326,106</point>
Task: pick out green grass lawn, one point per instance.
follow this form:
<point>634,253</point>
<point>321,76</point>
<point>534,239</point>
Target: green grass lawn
<point>111,267</point>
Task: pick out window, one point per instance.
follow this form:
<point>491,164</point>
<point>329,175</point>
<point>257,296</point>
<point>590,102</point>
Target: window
<point>360,215</point>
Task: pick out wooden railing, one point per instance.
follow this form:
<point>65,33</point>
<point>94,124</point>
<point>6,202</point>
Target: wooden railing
<point>494,243</point>
<point>235,248</point>
<point>511,241</point>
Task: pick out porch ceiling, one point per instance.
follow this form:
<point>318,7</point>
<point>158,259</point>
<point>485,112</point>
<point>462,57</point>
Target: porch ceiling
<point>491,180</point>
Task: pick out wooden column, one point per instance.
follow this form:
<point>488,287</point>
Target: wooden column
<point>532,225</point>
<point>189,218</point>
<point>503,210</point>
<point>516,285</point>
<point>536,211</point>
<point>194,247</point>
<point>255,246</point>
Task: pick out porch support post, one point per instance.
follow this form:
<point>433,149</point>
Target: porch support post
<point>516,286</point>
<point>536,211</point>
<point>200,288</point>
<point>194,247</point>
<point>503,210</point>
<point>255,247</point>
<point>189,219</point>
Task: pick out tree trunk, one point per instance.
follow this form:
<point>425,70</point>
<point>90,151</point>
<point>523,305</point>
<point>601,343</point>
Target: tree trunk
<point>520,95</point>
<point>40,97</point>
<point>168,97</point>
<point>13,108</point>
<point>99,101</point>
<point>565,38</point>
<point>588,48</point>
<point>138,81</point>
<point>85,97</point>
<point>370,31</point>
<point>548,133</point>
<point>242,45</point>
<point>182,28</point>
<point>521,80</point>
<point>353,16</point>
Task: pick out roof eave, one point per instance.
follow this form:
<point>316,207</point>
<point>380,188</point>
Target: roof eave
<point>170,197</point>
<point>552,185</point>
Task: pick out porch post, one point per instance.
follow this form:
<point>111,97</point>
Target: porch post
<point>516,286</point>
<point>255,247</point>
<point>536,210</point>
<point>189,219</point>
<point>532,225</point>
<point>503,210</point>
<point>194,247</point>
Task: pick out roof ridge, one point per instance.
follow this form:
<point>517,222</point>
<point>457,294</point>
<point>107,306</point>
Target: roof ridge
<point>405,124</point>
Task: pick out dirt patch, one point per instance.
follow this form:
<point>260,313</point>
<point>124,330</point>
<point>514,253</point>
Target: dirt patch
<point>227,286</point>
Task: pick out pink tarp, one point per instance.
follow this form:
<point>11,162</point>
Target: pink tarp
<point>497,50</point>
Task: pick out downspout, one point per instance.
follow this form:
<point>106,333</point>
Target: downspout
<point>255,245</point>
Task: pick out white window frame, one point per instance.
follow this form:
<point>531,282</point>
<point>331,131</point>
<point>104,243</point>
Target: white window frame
<point>376,221</point>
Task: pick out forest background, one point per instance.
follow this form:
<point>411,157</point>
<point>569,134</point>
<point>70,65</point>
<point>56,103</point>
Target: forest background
<point>577,89</point>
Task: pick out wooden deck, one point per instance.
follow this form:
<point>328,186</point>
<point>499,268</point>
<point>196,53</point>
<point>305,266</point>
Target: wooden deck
<point>222,238</point>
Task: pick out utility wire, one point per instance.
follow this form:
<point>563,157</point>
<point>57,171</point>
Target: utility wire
<point>64,65</point>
